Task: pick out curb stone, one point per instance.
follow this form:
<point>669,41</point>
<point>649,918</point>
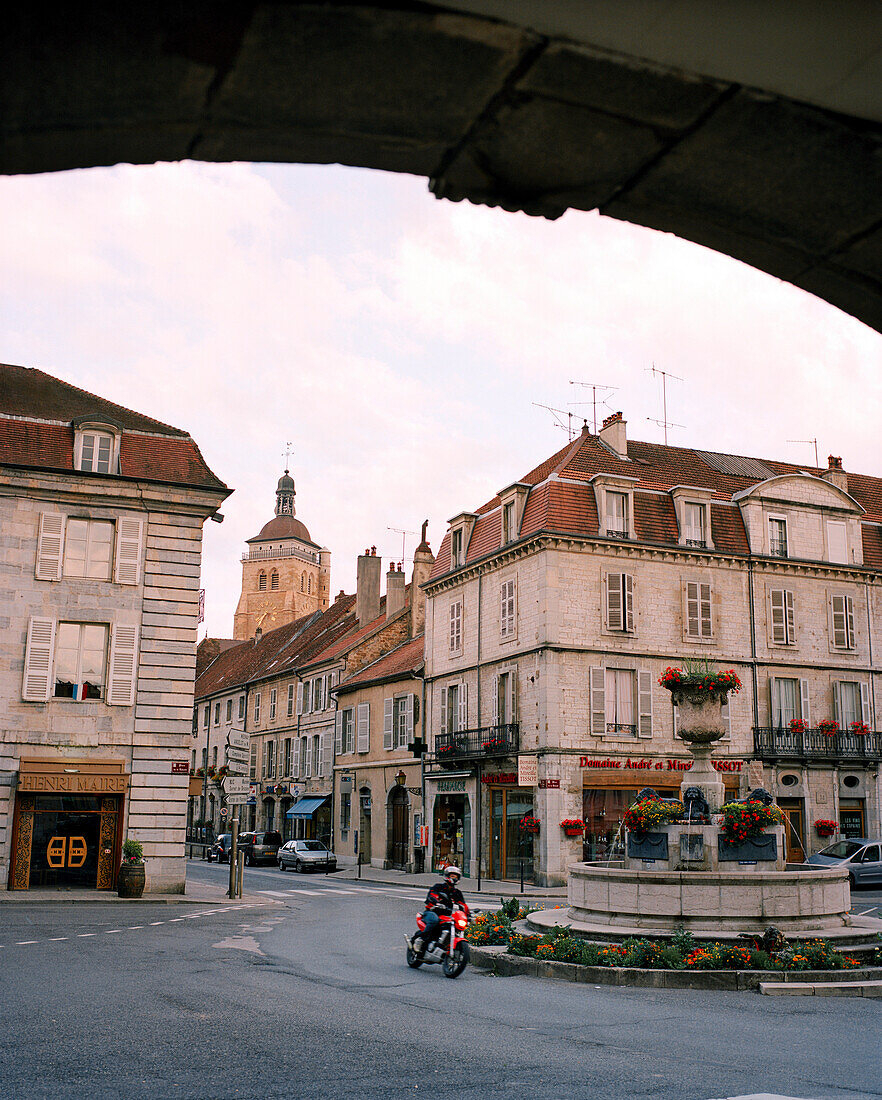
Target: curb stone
<point>499,962</point>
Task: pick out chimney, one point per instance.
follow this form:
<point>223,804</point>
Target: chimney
<point>423,560</point>
<point>835,474</point>
<point>394,590</point>
<point>613,434</point>
<point>367,590</point>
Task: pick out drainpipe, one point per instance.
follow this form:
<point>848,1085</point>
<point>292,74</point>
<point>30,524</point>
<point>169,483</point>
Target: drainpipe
<point>753,640</point>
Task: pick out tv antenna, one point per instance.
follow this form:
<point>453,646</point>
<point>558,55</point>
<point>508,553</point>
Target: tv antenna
<point>594,387</point>
<point>812,441</point>
<point>665,423</point>
<point>404,534</point>
<point>557,414</point>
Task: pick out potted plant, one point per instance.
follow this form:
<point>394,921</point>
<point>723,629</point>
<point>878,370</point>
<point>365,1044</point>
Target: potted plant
<point>798,725</point>
<point>828,727</point>
<point>825,827</point>
<point>744,821</point>
<point>572,826</point>
<point>649,813</point>
<point>699,692</point>
<point>130,880</point>
<point>529,824</point>
<point>860,728</point>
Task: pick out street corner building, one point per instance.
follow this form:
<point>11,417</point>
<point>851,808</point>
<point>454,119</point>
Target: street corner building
<point>553,609</point>
<point>101,515</point>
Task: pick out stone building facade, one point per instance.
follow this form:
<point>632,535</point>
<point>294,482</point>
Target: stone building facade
<point>101,513</point>
<point>553,610</point>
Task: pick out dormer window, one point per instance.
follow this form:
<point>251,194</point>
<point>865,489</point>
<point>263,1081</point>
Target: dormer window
<point>96,448</point>
<point>778,536</point>
<point>508,522</point>
<point>695,524</point>
<point>457,548</point>
<point>617,515</point>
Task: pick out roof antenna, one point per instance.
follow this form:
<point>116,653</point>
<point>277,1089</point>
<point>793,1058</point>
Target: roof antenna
<point>403,533</point>
<point>665,423</point>
<point>288,456</point>
<point>814,441</point>
<point>594,387</point>
<point>557,414</point>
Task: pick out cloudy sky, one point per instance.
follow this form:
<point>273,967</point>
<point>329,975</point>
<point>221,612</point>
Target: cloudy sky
<point>404,346</point>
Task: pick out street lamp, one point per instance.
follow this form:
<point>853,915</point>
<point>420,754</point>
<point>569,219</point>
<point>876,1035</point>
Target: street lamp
<point>401,779</point>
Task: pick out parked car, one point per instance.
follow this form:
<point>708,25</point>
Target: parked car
<point>860,856</point>
<point>220,850</point>
<point>259,847</point>
<point>306,855</point>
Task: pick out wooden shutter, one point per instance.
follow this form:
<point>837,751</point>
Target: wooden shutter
<point>614,619</point>
<point>50,546</point>
<point>338,728</point>
<point>804,709</point>
<point>644,702</point>
<point>842,616</point>
<point>388,713</point>
<point>496,689</point>
<point>463,706</point>
<point>629,602</point>
<point>295,757</point>
<point>597,684</point>
<point>513,693</point>
<point>698,610</point>
<point>442,710</point>
<point>123,666</point>
<point>308,757</point>
<point>129,534</point>
<point>778,616</point>
<point>39,651</point>
<point>865,703</point>
<point>299,697</point>
<point>364,727</point>
<point>326,754</point>
<point>837,542</point>
<point>407,737</point>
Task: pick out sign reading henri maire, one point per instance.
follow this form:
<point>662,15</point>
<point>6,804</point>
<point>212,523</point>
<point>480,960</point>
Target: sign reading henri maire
<point>74,784</point>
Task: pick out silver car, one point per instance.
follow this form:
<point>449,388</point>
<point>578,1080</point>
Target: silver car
<point>861,857</point>
<point>306,855</point>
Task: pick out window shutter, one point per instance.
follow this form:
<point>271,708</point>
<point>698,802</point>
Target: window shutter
<point>849,622</point>
<point>442,710</point>
<point>308,757</point>
<point>842,614</point>
<point>326,754</point>
<point>495,719</point>
<point>295,757</point>
<point>513,687</point>
<point>597,678</point>
<point>39,652</point>
<point>644,702</point>
<point>338,730</point>
<point>865,703</point>
<point>704,596</point>
<point>364,727</point>
<point>614,618</point>
<point>129,534</point>
<point>121,677</point>
<point>629,602</point>
<point>778,615</point>
<point>407,737</point>
<point>463,706</point>
<point>790,622</point>
<point>300,698</point>
<point>388,705</point>
<point>774,709</point>
<point>804,709</point>
<point>692,609</point>
<point>50,546</point>
<point>838,709</point>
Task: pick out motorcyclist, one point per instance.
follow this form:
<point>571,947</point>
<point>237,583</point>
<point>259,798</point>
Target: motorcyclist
<point>440,901</point>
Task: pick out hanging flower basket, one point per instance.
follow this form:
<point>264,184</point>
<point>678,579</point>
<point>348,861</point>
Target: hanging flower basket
<point>825,828</point>
<point>573,826</point>
<point>828,727</point>
<point>529,824</point>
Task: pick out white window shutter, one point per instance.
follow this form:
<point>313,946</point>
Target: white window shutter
<point>463,706</point>
<point>129,533</point>
<point>338,730</point>
<point>50,546</point>
<point>692,609</point>
<point>614,620</point>
<point>408,721</point>
<point>513,687</point>
<point>644,702</point>
<point>364,727</point>
<point>790,618</point>
<point>300,698</point>
<point>849,622</point>
<point>865,703</point>
<point>777,614</point>
<point>442,710</point>
<point>39,651</point>
<point>774,704</point>
<point>387,723</point>
<point>123,666</point>
<point>309,757</point>
<point>838,709</point>
<point>805,711</point>
<point>326,754</point>
<point>295,757</point>
<point>704,593</point>
<point>597,679</point>
<point>628,595</point>
<point>496,686</point>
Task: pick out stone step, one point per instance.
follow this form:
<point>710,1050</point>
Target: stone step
<point>821,989</point>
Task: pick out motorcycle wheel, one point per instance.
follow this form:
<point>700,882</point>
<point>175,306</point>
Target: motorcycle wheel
<point>414,961</point>
<point>454,964</point>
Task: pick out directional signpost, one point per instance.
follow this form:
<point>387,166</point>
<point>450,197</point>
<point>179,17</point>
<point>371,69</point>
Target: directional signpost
<point>237,799</point>
<point>236,787</point>
<point>236,784</point>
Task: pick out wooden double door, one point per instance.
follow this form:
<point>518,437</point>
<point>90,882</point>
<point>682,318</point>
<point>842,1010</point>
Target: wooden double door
<point>511,848</point>
<point>65,841</point>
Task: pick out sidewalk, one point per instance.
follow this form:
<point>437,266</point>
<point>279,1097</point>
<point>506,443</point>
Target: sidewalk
<point>197,894</point>
<point>492,888</point>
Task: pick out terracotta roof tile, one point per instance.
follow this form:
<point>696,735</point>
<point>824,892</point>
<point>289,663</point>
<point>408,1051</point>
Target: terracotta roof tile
<point>407,658</point>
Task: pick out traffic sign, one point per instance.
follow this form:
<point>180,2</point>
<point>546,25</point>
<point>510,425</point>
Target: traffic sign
<point>223,811</point>
<point>237,754</point>
<point>234,767</point>
<point>238,740</point>
<point>237,799</point>
<point>235,784</point>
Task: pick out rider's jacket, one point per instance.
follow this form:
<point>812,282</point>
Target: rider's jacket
<point>443,896</point>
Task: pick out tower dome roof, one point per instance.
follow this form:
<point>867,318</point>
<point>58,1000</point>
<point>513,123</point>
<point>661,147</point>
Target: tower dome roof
<point>286,483</point>
<point>283,527</point>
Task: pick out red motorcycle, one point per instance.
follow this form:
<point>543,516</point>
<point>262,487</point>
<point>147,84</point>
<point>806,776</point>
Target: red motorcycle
<point>450,949</point>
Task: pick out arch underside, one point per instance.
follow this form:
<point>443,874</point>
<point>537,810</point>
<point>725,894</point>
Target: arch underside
<point>491,112</point>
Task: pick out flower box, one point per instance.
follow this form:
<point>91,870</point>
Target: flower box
<point>798,725</point>
<point>828,727</point>
<point>825,827</point>
<point>529,824</point>
<point>573,826</point>
<point>860,728</point>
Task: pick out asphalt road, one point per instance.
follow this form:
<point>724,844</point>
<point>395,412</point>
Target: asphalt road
<point>307,996</point>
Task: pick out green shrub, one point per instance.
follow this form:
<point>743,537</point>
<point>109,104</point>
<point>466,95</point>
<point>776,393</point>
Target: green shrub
<point>132,852</point>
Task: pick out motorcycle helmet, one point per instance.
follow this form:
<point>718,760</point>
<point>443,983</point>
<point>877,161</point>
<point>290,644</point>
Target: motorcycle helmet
<point>453,872</point>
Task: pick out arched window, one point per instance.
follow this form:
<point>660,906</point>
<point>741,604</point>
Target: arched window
<point>274,579</point>
<point>302,582</point>
<point>261,581</point>
<point>309,584</point>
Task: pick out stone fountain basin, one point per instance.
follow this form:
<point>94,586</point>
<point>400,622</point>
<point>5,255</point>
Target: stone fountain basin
<point>800,903</point>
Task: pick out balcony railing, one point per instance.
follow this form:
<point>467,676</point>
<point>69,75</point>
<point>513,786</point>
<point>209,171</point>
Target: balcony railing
<point>281,552</point>
<point>772,743</point>
<point>487,741</point>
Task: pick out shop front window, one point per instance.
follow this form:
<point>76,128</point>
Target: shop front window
<point>603,811</point>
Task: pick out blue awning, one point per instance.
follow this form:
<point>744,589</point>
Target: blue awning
<point>306,807</point>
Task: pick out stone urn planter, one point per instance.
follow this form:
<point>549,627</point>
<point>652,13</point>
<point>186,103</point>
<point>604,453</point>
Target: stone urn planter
<point>131,878</point>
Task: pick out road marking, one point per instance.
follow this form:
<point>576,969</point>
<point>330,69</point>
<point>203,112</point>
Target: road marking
<point>309,893</point>
<point>135,927</point>
<point>21,943</point>
<point>175,920</point>
<point>110,931</point>
<point>83,935</point>
<point>56,939</point>
<point>275,893</point>
<point>156,923</point>
<point>873,910</point>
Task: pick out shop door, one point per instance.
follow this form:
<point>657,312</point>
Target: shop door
<point>364,825</point>
<point>398,838</point>
<point>794,829</point>
<point>65,841</point>
<point>511,849</point>
<point>851,817</point>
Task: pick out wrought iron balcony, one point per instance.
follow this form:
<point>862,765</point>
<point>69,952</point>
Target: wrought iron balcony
<point>776,743</point>
<point>482,743</point>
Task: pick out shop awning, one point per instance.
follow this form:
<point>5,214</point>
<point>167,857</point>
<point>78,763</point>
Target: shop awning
<point>306,807</point>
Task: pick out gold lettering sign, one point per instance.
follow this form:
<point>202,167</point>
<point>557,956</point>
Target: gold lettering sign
<point>56,850</point>
<point>74,784</point>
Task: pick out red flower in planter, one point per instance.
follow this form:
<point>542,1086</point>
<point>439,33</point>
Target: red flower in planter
<point>860,728</point>
<point>828,727</point>
<point>798,725</point>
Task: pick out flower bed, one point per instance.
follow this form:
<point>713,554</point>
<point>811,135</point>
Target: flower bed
<point>649,813</point>
<point>744,820</point>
